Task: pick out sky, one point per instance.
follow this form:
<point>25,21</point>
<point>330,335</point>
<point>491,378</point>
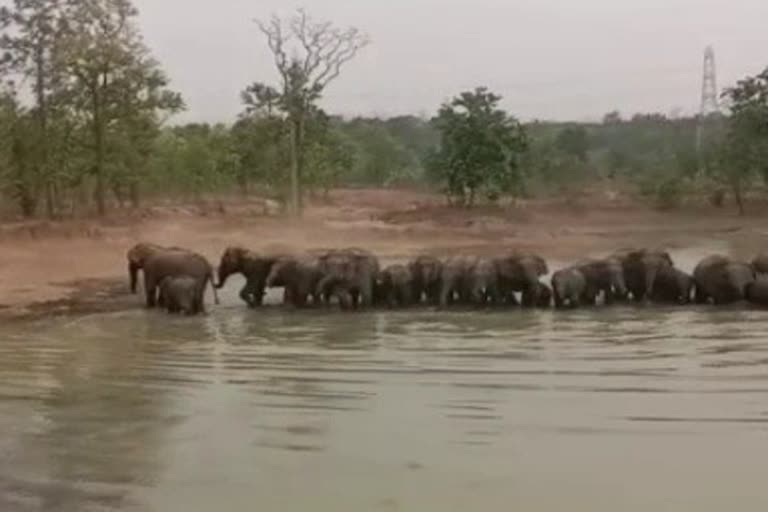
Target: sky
<point>549,59</point>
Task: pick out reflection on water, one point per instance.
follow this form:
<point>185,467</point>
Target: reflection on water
<point>616,409</point>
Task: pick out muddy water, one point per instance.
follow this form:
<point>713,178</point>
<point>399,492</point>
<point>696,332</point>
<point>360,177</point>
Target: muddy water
<point>604,410</point>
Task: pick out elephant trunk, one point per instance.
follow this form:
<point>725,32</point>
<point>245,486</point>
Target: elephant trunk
<point>650,280</point>
<point>222,280</point>
<point>214,288</point>
<point>619,286</point>
<point>133,271</point>
<point>272,278</point>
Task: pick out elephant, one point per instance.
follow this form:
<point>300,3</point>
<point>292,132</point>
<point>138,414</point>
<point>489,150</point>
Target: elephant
<point>482,282</point>
<point>299,275</point>
<point>673,286</point>
<point>519,271</point>
<point>570,289</point>
<point>545,298</point>
<point>722,280</point>
<point>760,263</point>
<point>604,276</point>
<point>757,292</point>
<point>469,280</point>
<point>425,272</point>
<point>453,279</point>
<point>138,255</point>
<point>254,266</point>
<point>394,286</point>
<point>353,270</point>
<point>179,294</point>
<point>175,264</point>
<point>641,266</point>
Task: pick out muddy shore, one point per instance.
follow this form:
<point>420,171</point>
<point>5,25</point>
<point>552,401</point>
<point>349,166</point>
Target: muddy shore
<point>78,267</point>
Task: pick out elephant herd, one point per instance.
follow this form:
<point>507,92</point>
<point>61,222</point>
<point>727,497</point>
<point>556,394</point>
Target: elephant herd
<point>176,279</point>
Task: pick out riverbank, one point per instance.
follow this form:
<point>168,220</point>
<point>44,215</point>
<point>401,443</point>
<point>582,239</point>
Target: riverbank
<point>78,267</point>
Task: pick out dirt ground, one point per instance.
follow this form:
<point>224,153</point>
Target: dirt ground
<point>79,266</point>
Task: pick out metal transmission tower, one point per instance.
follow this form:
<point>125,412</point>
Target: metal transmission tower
<point>709,100</point>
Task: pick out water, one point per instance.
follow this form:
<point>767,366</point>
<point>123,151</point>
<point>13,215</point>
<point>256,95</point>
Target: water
<point>593,410</point>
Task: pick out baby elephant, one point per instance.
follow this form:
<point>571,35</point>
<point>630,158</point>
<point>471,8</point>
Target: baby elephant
<point>179,294</point>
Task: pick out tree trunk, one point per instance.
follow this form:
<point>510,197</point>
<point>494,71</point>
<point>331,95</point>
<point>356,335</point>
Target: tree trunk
<point>27,201</point>
<point>295,168</point>
<point>738,196</point>
<point>300,159</point>
<point>42,121</point>
<point>135,194</point>
<point>471,200</point>
<point>50,199</point>
<point>98,139</point>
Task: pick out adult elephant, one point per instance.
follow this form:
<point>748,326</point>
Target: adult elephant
<point>519,271</point>
<point>253,266</point>
<point>299,275</point>
<point>139,254</point>
<point>722,280</point>
<point>395,287</point>
<point>454,278</point>
<point>673,286</point>
<point>482,283</point>
<point>570,289</point>
<point>641,267</point>
<point>349,271</point>
<point>425,273</point>
<point>176,264</point>
<point>603,276</point>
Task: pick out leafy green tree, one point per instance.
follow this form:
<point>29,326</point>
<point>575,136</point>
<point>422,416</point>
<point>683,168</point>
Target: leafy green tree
<point>574,141</point>
<point>112,76</point>
<point>613,117</point>
<point>18,129</point>
<point>480,147</point>
<point>309,55</point>
<point>30,42</point>
<point>745,152</point>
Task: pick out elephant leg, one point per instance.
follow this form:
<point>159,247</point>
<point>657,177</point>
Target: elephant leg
<point>408,297</point>
<point>245,295</point>
<point>150,289</point>
<point>445,293</point>
<point>366,292</point>
<point>431,292</point>
<point>253,293</point>
<point>199,302</point>
<point>301,298</point>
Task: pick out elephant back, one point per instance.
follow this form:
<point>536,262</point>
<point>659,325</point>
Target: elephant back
<point>760,263</point>
<point>173,263</point>
<point>141,252</point>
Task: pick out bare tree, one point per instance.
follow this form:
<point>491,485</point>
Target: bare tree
<point>309,55</point>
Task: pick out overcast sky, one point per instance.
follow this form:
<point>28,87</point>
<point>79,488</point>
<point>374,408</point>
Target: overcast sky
<point>550,59</point>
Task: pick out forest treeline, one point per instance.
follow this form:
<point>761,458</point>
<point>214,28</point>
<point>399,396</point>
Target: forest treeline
<point>86,124</point>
